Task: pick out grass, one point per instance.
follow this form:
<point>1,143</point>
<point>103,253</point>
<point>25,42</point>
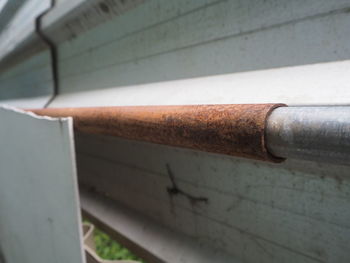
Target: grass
<point>107,248</point>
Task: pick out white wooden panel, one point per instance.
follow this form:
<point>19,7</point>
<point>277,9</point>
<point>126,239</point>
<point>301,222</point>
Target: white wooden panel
<point>27,103</point>
<point>166,25</point>
<point>21,84</point>
<point>39,209</point>
<point>71,18</point>
<point>130,23</point>
<point>327,83</point>
<point>222,37</point>
<point>22,26</point>
<point>25,72</point>
<point>161,244</point>
<point>7,11</point>
<point>259,212</point>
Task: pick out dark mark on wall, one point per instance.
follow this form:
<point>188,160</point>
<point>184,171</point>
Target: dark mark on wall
<point>91,189</point>
<point>2,257</point>
<point>104,8</point>
<point>175,190</point>
<point>235,204</point>
<point>52,49</point>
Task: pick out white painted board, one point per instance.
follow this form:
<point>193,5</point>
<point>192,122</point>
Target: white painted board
<point>39,209</point>
<point>143,234</point>
<point>318,84</point>
<point>296,211</point>
<point>172,40</point>
<point>28,84</point>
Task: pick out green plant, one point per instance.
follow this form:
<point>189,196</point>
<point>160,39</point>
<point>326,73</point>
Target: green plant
<point>107,248</point>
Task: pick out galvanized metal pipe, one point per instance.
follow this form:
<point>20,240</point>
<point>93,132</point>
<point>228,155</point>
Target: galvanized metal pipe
<point>310,133</point>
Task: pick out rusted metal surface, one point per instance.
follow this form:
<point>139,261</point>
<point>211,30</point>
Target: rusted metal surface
<point>237,130</point>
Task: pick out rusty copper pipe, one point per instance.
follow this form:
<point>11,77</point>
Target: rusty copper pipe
<point>237,130</point>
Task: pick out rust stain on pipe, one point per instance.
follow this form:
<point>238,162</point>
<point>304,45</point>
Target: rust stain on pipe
<point>237,129</point>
